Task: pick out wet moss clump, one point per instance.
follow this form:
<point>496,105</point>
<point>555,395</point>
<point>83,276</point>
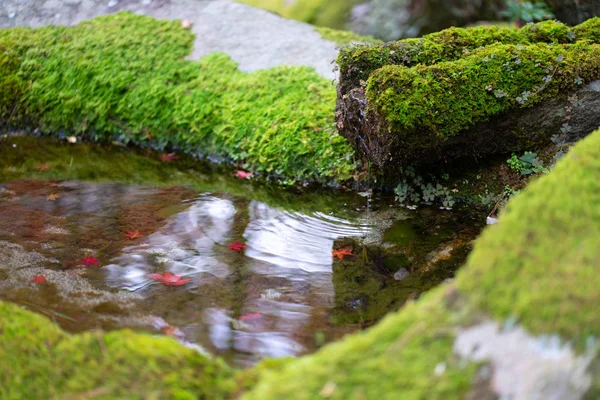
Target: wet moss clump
<point>39,361</point>
<point>124,78</point>
<point>426,104</point>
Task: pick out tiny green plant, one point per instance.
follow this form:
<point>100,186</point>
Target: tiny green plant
<point>413,190</point>
<point>527,164</point>
<point>523,12</point>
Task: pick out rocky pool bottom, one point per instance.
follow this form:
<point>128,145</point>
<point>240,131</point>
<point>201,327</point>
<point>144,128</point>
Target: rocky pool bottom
<point>286,294</point>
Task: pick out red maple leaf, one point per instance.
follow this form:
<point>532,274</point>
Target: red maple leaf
<point>341,252</point>
<point>38,279</point>
<point>243,174</point>
<point>89,260</point>
<point>237,246</point>
<point>133,234</point>
<point>173,331</point>
<point>250,316</point>
<point>169,279</point>
<point>42,167</point>
<point>168,157</point>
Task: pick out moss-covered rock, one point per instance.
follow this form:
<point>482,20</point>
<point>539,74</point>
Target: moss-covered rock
<point>123,77</point>
<point>325,13</point>
<point>422,103</point>
<point>39,361</point>
<point>358,62</point>
<point>537,268</point>
<point>343,38</point>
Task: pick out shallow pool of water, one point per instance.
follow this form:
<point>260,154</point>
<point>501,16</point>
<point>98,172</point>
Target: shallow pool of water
<point>285,294</point>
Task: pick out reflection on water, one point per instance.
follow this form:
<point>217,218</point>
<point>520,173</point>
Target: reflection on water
<point>281,283</point>
<point>283,296</point>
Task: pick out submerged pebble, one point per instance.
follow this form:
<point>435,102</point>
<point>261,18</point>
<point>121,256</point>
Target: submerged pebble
<point>401,274</point>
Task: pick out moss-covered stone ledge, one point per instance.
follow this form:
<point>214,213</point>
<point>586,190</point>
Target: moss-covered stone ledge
<point>124,78</point>
<point>356,63</point>
<point>39,361</point>
<point>531,283</point>
<point>451,100</point>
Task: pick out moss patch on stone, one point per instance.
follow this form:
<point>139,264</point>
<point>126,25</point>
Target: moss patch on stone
<point>358,62</point>
<point>39,361</point>
<point>345,37</point>
<point>539,264</point>
<point>326,13</point>
<point>440,100</point>
<point>123,77</point>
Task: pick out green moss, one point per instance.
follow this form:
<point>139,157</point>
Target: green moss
<point>358,62</point>
<point>345,37</point>
<point>39,361</point>
<point>588,30</point>
<point>539,263</point>
<point>443,99</point>
<point>123,77</point>
<point>326,13</point>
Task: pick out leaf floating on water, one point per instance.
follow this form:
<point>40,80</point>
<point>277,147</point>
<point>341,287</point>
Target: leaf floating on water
<point>38,279</point>
<point>237,246</point>
<point>53,197</point>
<point>168,157</point>
<point>169,279</point>
<point>89,261</point>
<point>250,316</point>
<point>133,234</point>
<point>242,174</point>
<point>42,167</point>
<point>342,252</point>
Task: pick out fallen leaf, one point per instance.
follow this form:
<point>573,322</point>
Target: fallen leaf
<point>42,167</point>
<point>237,246</point>
<point>173,331</point>
<point>243,174</point>
<point>169,279</point>
<point>38,279</point>
<point>133,234</point>
<point>341,252</point>
<point>250,316</point>
<point>53,196</point>
<point>168,157</point>
<point>89,260</point>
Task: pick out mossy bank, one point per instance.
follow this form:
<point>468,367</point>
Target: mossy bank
<point>39,361</point>
<point>415,100</point>
<point>124,78</point>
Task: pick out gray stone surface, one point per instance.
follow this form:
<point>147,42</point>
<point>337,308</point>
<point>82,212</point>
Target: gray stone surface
<point>254,38</point>
<point>525,367</point>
